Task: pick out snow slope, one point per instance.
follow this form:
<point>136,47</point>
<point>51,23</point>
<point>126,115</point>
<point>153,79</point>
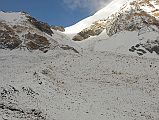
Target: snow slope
<point>63,86</point>
<point>110,9</point>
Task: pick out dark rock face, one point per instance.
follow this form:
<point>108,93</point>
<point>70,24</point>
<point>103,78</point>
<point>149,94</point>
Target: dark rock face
<point>35,41</point>
<point>149,46</point>
<point>44,27</point>
<point>8,38</point>
<point>59,28</point>
<point>152,46</point>
<point>140,52</point>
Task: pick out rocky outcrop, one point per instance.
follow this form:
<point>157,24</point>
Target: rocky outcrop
<point>58,28</point>
<point>66,47</point>
<point>35,42</point>
<point>130,21</point>
<point>44,27</point>
<point>148,41</point>
<point>8,38</point>
<point>149,46</point>
<point>93,30</point>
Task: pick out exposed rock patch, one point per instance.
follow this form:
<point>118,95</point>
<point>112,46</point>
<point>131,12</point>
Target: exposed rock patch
<point>35,41</point>
<point>148,43</point>
<point>59,28</point>
<point>152,46</point>
<point>66,47</point>
<point>93,30</point>
<point>8,38</point>
<point>44,27</point>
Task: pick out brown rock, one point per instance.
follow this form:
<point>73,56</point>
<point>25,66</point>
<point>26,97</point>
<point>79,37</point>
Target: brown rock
<point>59,28</point>
<point>36,41</point>
<point>8,38</point>
<point>44,27</point>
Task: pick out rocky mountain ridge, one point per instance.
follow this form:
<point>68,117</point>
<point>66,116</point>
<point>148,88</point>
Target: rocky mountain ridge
<point>20,30</point>
<point>132,16</point>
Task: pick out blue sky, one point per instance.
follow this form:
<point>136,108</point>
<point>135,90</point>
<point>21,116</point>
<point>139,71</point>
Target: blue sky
<point>54,12</point>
